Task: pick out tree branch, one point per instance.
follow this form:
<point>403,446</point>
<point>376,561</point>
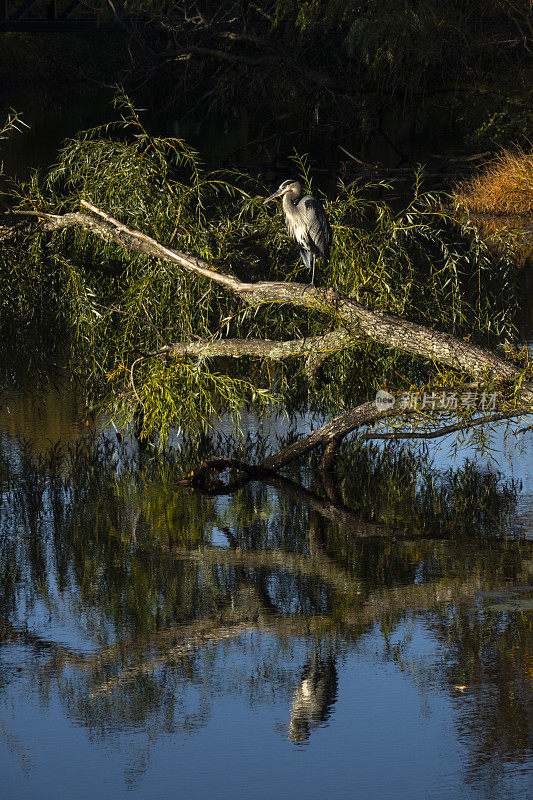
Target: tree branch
<point>446,429</point>
<point>316,346</point>
<point>332,434</point>
<point>341,426</point>
<point>410,337</point>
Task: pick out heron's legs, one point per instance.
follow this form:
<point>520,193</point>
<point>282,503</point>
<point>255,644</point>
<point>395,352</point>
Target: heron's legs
<point>311,265</point>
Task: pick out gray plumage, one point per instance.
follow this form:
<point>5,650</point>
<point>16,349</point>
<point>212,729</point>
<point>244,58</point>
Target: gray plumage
<point>306,222</point>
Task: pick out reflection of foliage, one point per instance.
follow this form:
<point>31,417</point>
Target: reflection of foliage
<point>114,545</point>
<point>404,489</point>
<point>122,532</point>
<point>483,662</point>
<point>90,503</point>
<point>492,655</point>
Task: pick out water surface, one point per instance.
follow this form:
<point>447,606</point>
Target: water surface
<point>155,641</point>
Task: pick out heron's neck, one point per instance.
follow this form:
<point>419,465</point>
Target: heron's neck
<point>291,199</point>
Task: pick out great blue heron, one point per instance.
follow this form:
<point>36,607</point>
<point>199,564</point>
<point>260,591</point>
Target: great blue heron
<point>307,222</point>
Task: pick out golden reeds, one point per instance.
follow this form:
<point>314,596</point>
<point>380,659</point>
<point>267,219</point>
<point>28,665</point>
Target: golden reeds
<point>504,186</point>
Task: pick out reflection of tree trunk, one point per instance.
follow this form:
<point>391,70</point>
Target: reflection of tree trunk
<point>389,603</point>
<point>248,585</point>
<point>261,580</point>
<point>315,536</point>
<point>252,608</point>
<point>232,541</point>
<point>317,541</point>
<point>334,510</point>
<point>181,640</point>
<point>322,567</point>
<point>181,650</point>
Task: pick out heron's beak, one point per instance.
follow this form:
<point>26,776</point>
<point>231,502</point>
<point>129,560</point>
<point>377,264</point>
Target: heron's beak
<point>272,196</point>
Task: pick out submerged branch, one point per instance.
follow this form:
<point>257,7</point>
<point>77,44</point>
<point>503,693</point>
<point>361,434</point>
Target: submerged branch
<point>335,430</point>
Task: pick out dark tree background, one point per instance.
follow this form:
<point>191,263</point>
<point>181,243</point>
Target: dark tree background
<point>297,73</point>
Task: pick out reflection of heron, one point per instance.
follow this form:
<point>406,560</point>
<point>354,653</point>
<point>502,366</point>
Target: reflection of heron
<point>314,697</point>
<point>307,222</point>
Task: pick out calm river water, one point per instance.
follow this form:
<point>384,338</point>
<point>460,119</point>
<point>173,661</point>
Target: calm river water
<point>369,642</point>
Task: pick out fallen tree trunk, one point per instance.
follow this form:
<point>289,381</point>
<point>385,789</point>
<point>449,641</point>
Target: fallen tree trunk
<point>332,434</point>
<point>351,321</point>
<point>385,329</point>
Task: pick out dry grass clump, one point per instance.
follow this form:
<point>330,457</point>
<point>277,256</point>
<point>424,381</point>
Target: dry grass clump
<point>504,186</point>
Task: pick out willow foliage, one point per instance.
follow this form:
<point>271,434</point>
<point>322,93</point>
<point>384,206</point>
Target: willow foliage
<point>415,261</point>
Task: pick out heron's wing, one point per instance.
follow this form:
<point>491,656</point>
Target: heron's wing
<point>306,254</point>
<point>318,229</point>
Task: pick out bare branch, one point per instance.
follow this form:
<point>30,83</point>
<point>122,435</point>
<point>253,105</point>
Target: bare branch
<point>318,346</point>
<point>447,429</point>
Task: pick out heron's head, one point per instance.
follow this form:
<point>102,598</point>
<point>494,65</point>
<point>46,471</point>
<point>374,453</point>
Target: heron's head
<point>292,188</point>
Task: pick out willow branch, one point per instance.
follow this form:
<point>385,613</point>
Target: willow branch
<point>417,340</point>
